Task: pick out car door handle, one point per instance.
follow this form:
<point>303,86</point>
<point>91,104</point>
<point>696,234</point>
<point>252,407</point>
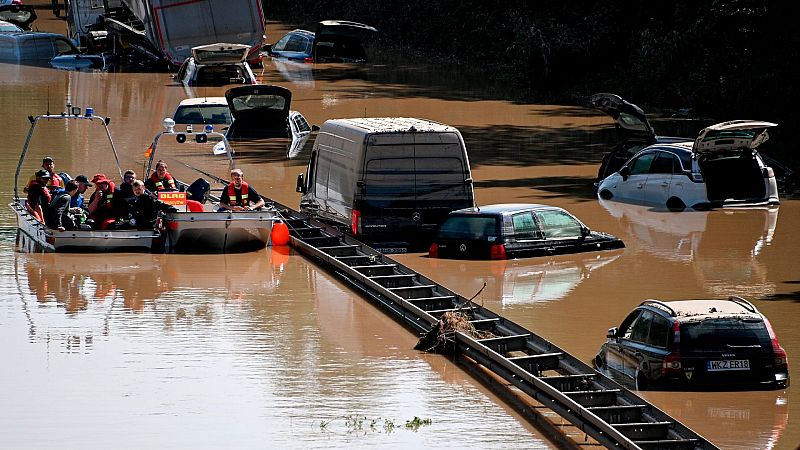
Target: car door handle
<point>665,184</point>
<point>640,185</point>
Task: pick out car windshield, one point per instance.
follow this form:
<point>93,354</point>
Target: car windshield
<point>202,114</point>
<point>724,334</point>
<point>469,227</point>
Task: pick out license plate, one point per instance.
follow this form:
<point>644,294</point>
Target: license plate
<point>728,364</point>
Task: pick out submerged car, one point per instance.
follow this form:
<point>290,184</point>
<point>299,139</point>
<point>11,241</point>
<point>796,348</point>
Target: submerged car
<point>203,111</point>
<point>8,27</point>
<point>262,112</point>
<point>216,65</point>
<point>34,48</point>
<point>507,231</point>
<point>695,344</point>
<point>334,41</point>
<point>17,14</point>
<point>720,168</point>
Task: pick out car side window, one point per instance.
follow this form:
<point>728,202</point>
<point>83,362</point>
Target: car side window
<point>281,44</point>
<point>626,327</point>
<point>525,227</point>
<point>63,47</point>
<point>558,225</point>
<point>301,123</point>
<point>664,163</point>
<point>659,332</point>
<point>642,164</point>
<point>641,328</point>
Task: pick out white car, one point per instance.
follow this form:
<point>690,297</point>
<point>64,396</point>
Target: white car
<point>720,168</point>
<point>202,111</point>
<point>216,65</point>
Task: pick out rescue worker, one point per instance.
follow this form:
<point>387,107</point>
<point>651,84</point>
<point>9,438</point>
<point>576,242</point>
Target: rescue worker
<point>160,179</point>
<point>239,196</point>
<point>144,207</point>
<point>59,213</point>
<point>54,181</point>
<point>83,185</point>
<point>38,195</point>
<point>106,204</point>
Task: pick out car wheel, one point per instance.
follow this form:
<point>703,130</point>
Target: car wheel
<point>605,194</point>
<point>675,204</point>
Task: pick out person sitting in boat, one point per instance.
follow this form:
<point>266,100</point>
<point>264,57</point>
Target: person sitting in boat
<point>106,204</point>
<point>160,179</point>
<point>54,181</point>
<point>127,184</point>
<point>38,195</point>
<point>239,196</point>
<point>144,207</point>
<point>59,214</point>
<point>83,185</point>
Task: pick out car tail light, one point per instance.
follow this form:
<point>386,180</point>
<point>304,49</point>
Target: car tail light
<point>356,222</point>
<point>672,362</point>
<point>768,172</point>
<point>308,60</point>
<point>498,251</point>
<point>781,360</point>
<point>16,2</point>
<point>433,251</point>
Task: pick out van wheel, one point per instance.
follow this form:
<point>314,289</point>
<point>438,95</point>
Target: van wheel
<point>675,204</point>
<point>605,194</point>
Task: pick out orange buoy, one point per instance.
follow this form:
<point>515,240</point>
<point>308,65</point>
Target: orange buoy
<point>280,234</point>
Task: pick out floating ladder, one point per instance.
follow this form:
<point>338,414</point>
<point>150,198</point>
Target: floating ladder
<point>596,405</point>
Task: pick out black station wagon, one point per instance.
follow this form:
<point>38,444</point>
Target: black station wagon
<point>507,231</point>
<point>695,345</point>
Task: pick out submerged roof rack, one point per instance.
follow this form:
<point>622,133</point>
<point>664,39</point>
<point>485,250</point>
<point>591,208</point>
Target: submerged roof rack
<point>747,305</point>
<point>661,305</point>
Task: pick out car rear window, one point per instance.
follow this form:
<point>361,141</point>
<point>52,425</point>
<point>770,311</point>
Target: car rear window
<point>469,227</point>
<point>723,335</point>
<point>414,179</point>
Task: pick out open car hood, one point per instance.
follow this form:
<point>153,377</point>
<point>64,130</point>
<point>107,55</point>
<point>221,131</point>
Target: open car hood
<point>629,117</point>
<point>258,111</point>
<point>220,53</point>
<point>736,134</point>
<point>341,41</point>
<point>20,15</point>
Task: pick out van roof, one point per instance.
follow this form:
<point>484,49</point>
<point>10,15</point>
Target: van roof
<point>391,125</point>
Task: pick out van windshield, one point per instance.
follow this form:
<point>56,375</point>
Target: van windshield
<point>409,179</point>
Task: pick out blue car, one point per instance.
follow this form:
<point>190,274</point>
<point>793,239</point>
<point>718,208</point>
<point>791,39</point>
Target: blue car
<point>334,41</point>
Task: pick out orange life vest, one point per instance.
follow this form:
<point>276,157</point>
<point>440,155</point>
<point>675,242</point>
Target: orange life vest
<point>166,183</point>
<point>232,194</point>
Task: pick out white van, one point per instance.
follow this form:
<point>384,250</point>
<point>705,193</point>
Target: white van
<point>387,180</point>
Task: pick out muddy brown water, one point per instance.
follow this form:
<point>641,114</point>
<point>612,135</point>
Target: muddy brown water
<point>129,350</point>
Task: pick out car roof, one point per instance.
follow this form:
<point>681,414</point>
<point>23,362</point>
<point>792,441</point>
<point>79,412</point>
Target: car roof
<point>691,310</point>
<point>505,208</point>
<point>674,147</point>
<point>204,101</point>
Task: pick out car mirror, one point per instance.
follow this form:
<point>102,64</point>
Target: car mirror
<point>301,186</point>
<point>267,48</point>
<point>625,172</point>
<point>314,127</point>
<point>612,332</point>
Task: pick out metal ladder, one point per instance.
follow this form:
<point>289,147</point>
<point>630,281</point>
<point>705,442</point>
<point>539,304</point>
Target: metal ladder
<point>598,406</point>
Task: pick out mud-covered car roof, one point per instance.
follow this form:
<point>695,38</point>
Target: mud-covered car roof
<point>697,310</point>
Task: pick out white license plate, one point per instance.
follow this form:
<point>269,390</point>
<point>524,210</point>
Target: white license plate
<point>728,364</point>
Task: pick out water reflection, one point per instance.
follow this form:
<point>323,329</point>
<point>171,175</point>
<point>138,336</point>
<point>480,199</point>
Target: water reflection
<point>298,73</point>
<point>527,281</point>
<point>722,247</point>
<point>749,420</point>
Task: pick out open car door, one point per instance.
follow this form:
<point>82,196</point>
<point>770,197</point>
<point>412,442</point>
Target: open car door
<point>630,119</point>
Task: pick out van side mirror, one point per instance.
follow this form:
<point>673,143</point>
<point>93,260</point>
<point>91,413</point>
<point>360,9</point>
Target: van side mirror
<point>612,332</point>
<point>301,186</point>
<point>314,127</point>
<point>625,172</point>
<point>267,48</point>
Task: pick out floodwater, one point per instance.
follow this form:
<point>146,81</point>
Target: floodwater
<point>266,349</point>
